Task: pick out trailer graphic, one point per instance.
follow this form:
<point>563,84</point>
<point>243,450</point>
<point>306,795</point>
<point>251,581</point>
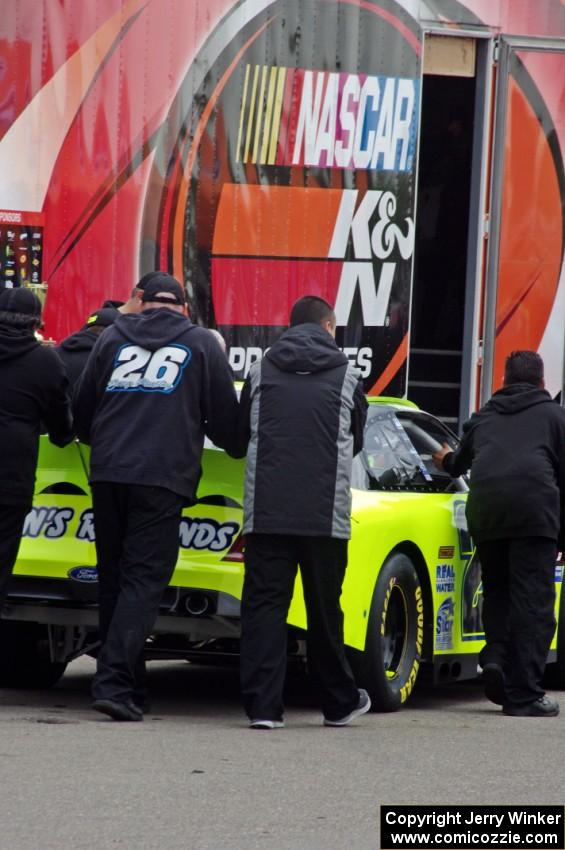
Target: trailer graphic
<point>403,159</point>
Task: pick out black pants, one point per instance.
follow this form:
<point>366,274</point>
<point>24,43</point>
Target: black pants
<point>12,519</point>
<point>137,545</point>
<point>518,610</point>
<point>271,563</point>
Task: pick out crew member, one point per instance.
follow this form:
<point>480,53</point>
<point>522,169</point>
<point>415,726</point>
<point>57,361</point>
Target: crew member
<point>515,449</point>
<point>302,416</point>
<point>75,349</point>
<point>34,392</point>
<point>154,385</point>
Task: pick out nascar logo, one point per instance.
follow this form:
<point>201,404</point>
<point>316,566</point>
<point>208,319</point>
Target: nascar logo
<point>292,116</point>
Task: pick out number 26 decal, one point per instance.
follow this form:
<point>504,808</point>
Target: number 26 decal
<point>138,370</point>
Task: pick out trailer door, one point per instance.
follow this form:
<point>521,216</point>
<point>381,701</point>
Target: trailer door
<point>525,297</point>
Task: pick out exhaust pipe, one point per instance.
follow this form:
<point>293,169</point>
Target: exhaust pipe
<point>196,604</point>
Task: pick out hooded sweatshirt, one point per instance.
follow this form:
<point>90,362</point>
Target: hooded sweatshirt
<point>75,350</point>
<point>33,390</point>
<point>515,449</point>
<point>154,385</point>
<point>302,415</point>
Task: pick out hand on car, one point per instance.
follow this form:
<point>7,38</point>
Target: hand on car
<point>438,456</point>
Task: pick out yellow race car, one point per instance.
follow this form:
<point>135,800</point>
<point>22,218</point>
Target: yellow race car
<point>411,596</point>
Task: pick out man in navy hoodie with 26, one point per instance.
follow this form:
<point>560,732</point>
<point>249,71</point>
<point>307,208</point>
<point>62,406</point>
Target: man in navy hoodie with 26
<point>515,448</point>
<point>153,386</point>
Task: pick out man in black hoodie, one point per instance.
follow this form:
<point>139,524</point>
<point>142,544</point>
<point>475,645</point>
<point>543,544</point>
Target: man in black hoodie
<point>154,385</point>
<point>34,391</point>
<point>302,416</point>
<point>75,349</point>
<point>515,449</point>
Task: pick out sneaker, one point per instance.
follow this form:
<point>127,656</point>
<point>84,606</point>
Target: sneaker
<point>266,724</point>
<point>542,707</point>
<point>142,704</point>
<point>363,707</point>
<point>493,681</point>
<point>118,710</point>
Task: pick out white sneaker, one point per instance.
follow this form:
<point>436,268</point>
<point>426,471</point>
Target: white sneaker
<point>363,707</point>
<point>266,724</point>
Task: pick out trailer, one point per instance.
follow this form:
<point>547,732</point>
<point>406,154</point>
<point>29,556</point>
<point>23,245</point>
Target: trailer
<point>402,158</point>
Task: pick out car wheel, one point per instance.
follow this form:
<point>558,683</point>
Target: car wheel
<point>389,666</point>
<point>554,676</point>
<point>24,656</point>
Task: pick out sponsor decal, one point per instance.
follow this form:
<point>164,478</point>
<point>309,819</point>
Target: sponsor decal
<point>356,238</point>
<point>240,359</point>
<point>202,534</point>
<point>84,575</point>
<point>51,523</point>
<point>444,624</point>
<point>199,534</point>
<point>558,573</point>
<point>14,244</point>
<point>10,217</point>
<point>332,120</point>
<point>445,578</point>
<point>446,552</point>
<point>287,176</point>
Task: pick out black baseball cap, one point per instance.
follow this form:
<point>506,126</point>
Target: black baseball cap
<point>143,281</point>
<point>20,300</point>
<point>104,317</point>
<point>163,288</point>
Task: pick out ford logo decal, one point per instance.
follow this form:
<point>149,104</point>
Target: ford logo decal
<point>86,575</point>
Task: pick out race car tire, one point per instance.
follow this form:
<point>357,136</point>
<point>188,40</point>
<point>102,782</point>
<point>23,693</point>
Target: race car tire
<point>554,676</point>
<point>24,657</point>
<point>388,668</point>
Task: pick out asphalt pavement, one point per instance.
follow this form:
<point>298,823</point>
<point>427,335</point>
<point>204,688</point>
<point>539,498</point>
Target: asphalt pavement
<point>192,776</point>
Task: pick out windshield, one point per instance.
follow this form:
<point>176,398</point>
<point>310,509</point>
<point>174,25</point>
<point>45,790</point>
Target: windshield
<point>397,452</point>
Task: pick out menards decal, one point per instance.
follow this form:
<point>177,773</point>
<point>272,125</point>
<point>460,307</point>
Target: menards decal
<point>200,533</point>
<point>293,116</point>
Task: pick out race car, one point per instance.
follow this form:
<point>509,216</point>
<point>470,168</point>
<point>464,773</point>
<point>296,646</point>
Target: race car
<point>412,593</point>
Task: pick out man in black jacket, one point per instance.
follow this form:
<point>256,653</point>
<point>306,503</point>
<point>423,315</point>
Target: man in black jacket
<point>154,385</point>
<point>515,449</point>
<point>34,390</point>
<point>302,416</point>
<point>75,349</point>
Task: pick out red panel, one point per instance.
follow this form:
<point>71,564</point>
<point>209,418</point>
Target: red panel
<point>237,283</point>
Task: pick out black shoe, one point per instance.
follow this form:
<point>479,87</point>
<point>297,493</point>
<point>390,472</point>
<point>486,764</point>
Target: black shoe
<point>493,680</point>
<point>542,707</point>
<point>118,710</point>
<point>142,704</point>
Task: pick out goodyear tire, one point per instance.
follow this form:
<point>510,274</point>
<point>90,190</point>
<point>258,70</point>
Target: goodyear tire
<point>24,657</point>
<point>389,666</point>
<point>554,676</point>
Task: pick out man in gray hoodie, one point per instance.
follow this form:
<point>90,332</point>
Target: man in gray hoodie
<point>302,416</point>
